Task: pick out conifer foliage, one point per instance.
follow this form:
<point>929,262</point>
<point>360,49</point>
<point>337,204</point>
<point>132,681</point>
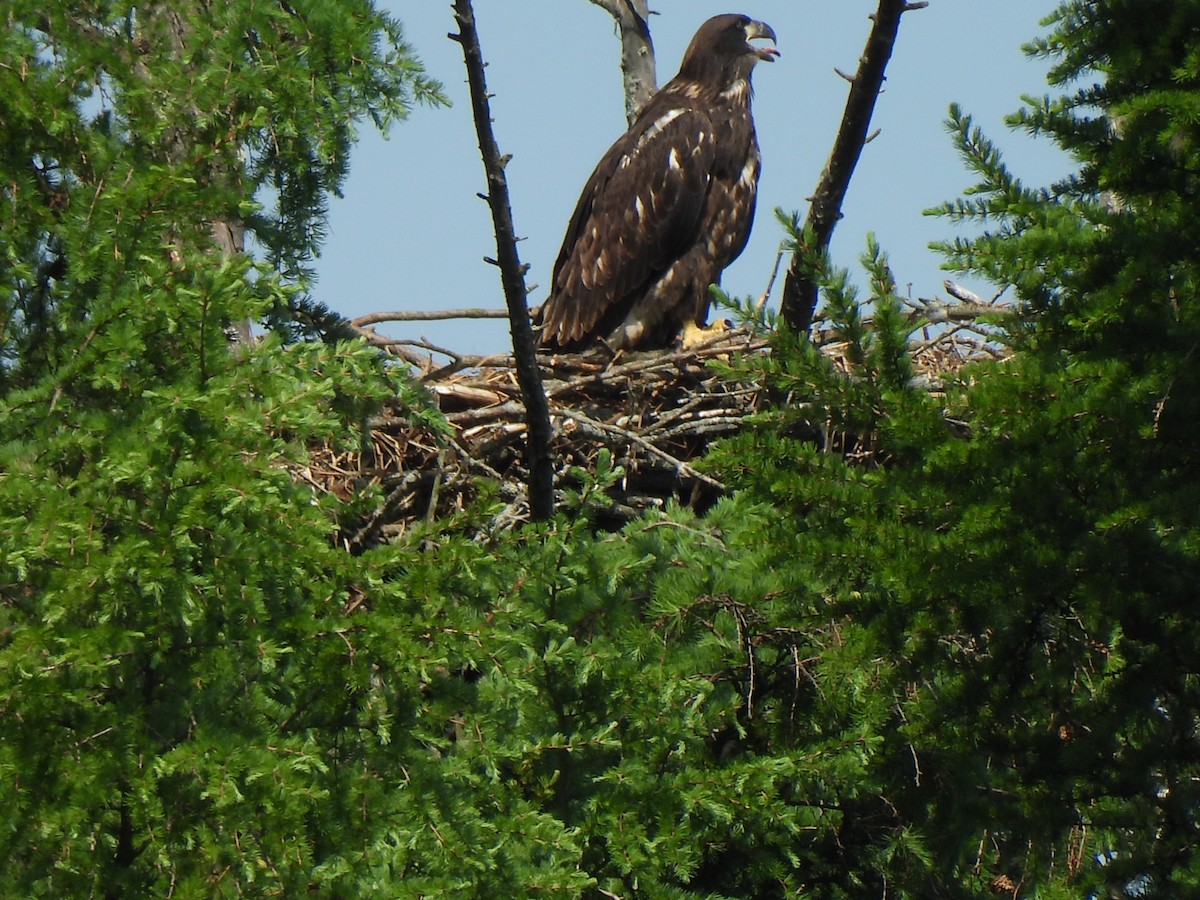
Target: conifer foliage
<point>169,597</point>
<point>946,649</point>
<point>1025,555</point>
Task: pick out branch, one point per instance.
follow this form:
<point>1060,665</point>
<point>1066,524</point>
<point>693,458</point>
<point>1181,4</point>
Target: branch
<point>427,315</point>
<point>512,273</point>
<point>935,313</point>
<point>637,51</point>
<point>605,431</point>
<point>800,287</point>
<point>958,292</point>
<point>390,345</point>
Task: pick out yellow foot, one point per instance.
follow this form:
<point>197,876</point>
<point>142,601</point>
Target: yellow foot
<point>693,335</point>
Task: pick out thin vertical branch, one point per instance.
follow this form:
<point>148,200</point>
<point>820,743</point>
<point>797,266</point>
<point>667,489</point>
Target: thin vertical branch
<point>512,274</point>
<point>637,51</point>
<point>800,286</point>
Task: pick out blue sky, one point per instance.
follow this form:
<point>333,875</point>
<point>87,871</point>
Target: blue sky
<point>410,232</point>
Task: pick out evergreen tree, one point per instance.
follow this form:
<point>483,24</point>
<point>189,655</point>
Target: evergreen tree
<point>203,120</point>
<point>170,596</point>
<point>944,649</point>
<point>1025,557</point>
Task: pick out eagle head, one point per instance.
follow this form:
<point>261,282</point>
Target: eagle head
<point>722,49</point>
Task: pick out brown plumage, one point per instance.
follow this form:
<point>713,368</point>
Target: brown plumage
<point>668,207</point>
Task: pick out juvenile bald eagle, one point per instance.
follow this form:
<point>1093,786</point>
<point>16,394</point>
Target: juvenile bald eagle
<point>668,207</point>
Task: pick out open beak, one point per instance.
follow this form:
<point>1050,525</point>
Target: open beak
<point>762,31</point>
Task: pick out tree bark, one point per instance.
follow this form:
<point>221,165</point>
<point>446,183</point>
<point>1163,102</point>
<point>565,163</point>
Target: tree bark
<point>180,143</point>
<point>512,275</point>
<point>637,51</point>
<point>800,285</point>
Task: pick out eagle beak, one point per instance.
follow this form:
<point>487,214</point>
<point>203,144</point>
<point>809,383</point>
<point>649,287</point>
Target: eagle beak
<point>761,30</point>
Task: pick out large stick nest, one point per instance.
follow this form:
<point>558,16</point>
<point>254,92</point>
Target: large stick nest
<point>656,413</point>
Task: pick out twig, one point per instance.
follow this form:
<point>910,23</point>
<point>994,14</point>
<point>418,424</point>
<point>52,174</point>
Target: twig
<point>368,535</point>
<point>800,287</point>
<point>512,274</point>
<point>603,429</point>
<point>476,463</point>
<point>391,345</point>
<point>766,294</point>
<point>511,411</point>
<point>935,311</point>
<point>1162,402</point>
<point>714,421</point>
<point>457,364</point>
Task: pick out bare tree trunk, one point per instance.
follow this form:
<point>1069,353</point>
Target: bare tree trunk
<point>637,51</point>
<point>512,275</point>
<point>800,286</point>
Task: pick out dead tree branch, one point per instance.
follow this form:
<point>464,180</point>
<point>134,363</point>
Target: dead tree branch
<point>637,51</point>
<point>426,315</point>
<point>512,273</point>
<point>800,286</point>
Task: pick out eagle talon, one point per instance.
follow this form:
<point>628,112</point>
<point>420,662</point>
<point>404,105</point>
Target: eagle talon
<point>693,334</point>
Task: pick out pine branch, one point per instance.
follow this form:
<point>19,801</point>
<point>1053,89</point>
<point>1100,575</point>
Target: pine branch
<point>512,273</point>
<point>800,286</point>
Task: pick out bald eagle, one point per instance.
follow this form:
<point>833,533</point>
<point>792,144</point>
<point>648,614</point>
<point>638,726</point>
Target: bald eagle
<point>668,207</point>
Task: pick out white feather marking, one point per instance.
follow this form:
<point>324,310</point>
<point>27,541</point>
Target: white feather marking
<point>673,159</point>
<point>639,207</point>
<point>736,91</point>
<point>667,118</point>
<point>749,170</point>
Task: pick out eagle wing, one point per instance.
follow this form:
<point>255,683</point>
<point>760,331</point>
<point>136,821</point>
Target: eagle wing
<point>640,211</point>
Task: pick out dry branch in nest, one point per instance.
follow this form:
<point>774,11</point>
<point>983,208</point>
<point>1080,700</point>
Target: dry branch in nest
<point>657,413</point>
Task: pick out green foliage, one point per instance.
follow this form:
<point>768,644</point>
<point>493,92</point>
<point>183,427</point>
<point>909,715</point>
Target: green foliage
<point>1028,228</point>
<point>933,646</point>
<point>1025,560</point>
<point>180,709</point>
<point>127,133</point>
<point>642,691</point>
<point>157,642</point>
